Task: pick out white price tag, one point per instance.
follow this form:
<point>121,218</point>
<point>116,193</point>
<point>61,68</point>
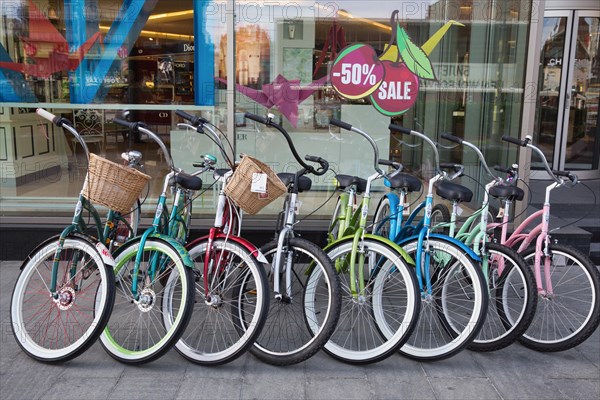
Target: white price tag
<point>259,183</point>
<point>297,208</point>
<point>459,211</point>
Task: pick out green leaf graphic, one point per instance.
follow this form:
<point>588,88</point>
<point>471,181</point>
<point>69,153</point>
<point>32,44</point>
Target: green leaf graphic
<point>415,59</point>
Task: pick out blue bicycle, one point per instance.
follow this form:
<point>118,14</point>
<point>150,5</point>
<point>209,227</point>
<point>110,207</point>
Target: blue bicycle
<point>453,289</point>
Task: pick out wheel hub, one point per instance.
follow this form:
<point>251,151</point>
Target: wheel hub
<point>214,300</point>
<point>147,300</point>
<point>66,298</point>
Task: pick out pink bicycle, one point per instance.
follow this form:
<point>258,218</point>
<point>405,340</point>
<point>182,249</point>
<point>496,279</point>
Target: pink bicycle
<point>568,282</point>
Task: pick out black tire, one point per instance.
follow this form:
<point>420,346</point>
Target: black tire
<point>573,274</point>
<point>298,327</point>
<point>440,214</point>
<point>513,290</point>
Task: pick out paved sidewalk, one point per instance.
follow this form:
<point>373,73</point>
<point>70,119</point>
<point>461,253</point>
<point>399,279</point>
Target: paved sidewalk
<point>512,373</point>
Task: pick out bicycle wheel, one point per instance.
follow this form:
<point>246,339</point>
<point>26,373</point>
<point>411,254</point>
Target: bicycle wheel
<point>571,313</point>
<point>136,332</point>
<point>439,215</point>
<point>381,218</point>
<point>231,304</point>
<point>513,299</point>
<point>390,294</point>
<point>453,313</point>
<point>59,328</point>
<point>300,323</point>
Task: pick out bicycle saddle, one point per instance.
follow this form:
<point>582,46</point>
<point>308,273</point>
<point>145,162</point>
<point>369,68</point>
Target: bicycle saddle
<point>507,191</point>
<point>406,182</point>
<point>453,192</point>
<point>187,181</point>
<point>304,182</point>
<point>346,180</point>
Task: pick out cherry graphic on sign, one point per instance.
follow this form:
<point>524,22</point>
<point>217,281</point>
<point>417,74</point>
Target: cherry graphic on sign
<point>357,72</point>
<point>398,91</point>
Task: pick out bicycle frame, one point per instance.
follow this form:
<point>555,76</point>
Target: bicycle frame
<point>358,233</point>
<point>424,233</point>
<point>540,232</point>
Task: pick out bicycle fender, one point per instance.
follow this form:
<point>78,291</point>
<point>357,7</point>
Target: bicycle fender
<point>107,258</point>
<point>469,251</point>
<point>241,241</point>
<point>185,256</point>
<point>378,238</point>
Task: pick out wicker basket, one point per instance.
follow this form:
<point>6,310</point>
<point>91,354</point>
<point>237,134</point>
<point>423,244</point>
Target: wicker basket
<point>238,186</point>
<point>112,185</point>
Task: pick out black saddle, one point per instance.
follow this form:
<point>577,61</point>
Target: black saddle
<point>304,182</point>
<point>190,182</point>
<point>453,192</point>
<point>507,192</point>
<point>347,180</point>
<point>404,181</point>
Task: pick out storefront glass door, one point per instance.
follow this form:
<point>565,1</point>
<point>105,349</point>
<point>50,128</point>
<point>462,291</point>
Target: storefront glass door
<point>567,114</point>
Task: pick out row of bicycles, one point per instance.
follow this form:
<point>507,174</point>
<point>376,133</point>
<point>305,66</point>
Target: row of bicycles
<point>425,283</point>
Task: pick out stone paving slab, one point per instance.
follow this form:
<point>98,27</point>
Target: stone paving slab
<point>512,373</point>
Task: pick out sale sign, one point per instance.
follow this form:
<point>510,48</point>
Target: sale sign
<point>391,81</point>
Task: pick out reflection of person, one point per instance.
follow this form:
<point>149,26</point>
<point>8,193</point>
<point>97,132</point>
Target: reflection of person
<point>166,73</point>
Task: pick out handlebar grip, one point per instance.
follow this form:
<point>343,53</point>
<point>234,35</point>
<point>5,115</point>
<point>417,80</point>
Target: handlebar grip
<point>513,140</point>
<point>572,177</point>
<point>47,115</point>
<point>390,163</point>
<point>193,119</point>
<point>322,162</point>
<point>398,128</point>
<point>500,168</point>
<point>130,125</point>
<point>256,118</point>
<point>452,138</point>
<point>455,167</point>
<point>197,164</point>
<point>340,124</point>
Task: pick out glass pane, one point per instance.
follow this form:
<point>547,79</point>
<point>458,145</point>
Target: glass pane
<point>88,60</point>
<point>582,130</point>
<point>548,110</point>
<point>479,65</point>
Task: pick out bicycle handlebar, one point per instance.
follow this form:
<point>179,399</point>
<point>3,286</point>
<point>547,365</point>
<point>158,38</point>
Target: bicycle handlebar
<point>554,174</point>
<point>65,124</point>
<point>451,138</point>
<point>407,131</point>
<point>193,119</point>
<point>347,126</point>
<point>269,122</point>
<point>396,165</point>
<point>143,128</point>
<point>459,169</point>
<point>518,142</point>
<point>340,124</point>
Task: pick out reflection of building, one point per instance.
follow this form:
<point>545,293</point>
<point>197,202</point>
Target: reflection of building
<point>253,48</point>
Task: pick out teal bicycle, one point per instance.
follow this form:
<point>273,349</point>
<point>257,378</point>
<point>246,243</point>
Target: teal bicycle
<point>154,281</point>
<point>65,292</point>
